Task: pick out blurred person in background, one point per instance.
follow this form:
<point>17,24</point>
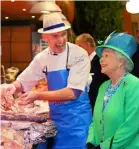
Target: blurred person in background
<point>87,42</point>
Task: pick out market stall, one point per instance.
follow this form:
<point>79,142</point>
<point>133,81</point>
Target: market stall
<point>24,126</point>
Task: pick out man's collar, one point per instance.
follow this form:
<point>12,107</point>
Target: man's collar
<point>91,56</point>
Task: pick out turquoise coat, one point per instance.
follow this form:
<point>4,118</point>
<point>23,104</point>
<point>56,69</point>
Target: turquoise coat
<point>121,116</point>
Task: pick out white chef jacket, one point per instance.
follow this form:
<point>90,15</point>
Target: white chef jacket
<point>78,63</point>
<point>91,56</point>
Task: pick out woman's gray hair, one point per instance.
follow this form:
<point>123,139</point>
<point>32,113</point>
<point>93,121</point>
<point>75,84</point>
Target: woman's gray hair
<point>128,65</point>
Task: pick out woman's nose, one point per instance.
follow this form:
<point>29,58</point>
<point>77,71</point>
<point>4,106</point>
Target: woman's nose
<point>101,60</point>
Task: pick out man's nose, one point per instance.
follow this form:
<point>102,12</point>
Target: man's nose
<point>60,38</point>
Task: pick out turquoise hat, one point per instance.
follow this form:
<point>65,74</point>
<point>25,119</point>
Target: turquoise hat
<point>120,42</point>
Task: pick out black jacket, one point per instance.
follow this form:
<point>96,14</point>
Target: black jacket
<point>97,79</point>
<point>135,59</point>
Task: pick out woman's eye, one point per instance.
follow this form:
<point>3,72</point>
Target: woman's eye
<point>104,56</point>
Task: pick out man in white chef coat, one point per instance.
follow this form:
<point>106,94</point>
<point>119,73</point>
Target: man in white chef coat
<point>66,67</point>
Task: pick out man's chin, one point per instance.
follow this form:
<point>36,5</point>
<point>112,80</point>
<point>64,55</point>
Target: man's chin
<point>59,50</point>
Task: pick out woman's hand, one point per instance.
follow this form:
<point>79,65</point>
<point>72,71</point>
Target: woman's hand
<point>28,98</point>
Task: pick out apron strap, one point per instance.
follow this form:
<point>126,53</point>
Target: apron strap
<point>67,57</point>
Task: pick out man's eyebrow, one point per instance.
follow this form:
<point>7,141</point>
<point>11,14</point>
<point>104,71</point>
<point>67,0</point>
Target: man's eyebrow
<point>64,32</point>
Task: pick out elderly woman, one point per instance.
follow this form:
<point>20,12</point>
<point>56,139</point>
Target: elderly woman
<point>116,114</point>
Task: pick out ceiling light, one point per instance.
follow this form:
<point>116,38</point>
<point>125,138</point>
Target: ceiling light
<point>61,15</point>
<point>12,0</point>
<point>24,9</point>
<point>6,18</point>
<point>132,6</point>
<point>32,17</point>
<point>45,6</point>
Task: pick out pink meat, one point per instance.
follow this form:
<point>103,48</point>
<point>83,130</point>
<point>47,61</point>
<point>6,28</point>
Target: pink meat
<point>7,143</point>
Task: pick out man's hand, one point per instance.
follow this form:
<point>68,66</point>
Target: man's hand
<point>7,88</point>
<point>28,98</point>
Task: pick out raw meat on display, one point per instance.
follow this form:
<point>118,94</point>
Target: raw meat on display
<point>23,117</point>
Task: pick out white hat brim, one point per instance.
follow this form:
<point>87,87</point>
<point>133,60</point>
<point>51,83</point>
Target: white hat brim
<point>54,30</point>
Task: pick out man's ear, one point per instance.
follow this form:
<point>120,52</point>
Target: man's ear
<point>45,37</point>
<point>88,44</point>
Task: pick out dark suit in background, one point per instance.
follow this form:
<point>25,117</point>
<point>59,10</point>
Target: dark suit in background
<point>97,79</point>
<point>135,59</point>
<point>87,42</point>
